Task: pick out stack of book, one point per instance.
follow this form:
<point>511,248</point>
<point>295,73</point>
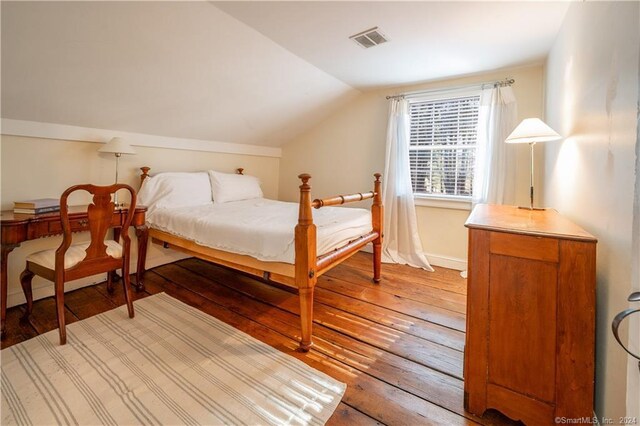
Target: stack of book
<point>42,205</point>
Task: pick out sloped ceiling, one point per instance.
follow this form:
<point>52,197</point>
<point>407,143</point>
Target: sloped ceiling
<point>243,72</point>
<point>181,69</point>
<point>429,40</point>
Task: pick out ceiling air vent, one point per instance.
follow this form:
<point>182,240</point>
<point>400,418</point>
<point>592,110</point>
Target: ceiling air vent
<point>369,38</point>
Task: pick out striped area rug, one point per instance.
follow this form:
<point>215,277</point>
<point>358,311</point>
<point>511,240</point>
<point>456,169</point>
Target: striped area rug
<point>172,364</point>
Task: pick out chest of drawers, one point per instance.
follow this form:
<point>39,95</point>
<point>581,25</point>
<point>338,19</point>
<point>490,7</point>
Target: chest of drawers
<point>530,340</point>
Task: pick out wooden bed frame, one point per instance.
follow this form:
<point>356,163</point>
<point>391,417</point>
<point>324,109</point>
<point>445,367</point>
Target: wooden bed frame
<point>308,265</point>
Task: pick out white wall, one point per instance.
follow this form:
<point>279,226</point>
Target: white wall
<point>344,151</point>
<point>633,374</point>
<point>38,168</point>
<point>592,100</point>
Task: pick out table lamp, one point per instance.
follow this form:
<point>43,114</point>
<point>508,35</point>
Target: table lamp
<point>531,131</point>
<point>117,146</point>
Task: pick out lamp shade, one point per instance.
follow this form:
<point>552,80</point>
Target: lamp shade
<point>532,130</point>
<point>117,146</point>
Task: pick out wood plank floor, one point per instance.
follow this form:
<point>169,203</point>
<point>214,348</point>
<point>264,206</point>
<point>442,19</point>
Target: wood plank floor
<point>398,345</point>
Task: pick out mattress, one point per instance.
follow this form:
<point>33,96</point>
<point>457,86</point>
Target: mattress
<point>261,228</point>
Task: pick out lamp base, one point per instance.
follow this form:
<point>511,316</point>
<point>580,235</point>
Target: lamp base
<point>532,208</point>
<point>117,205</point>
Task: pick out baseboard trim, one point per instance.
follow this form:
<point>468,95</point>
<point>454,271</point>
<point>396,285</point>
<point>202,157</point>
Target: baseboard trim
<point>40,291</point>
<point>447,262</point>
<point>435,260</point>
<point>64,132</point>
<point>46,290</point>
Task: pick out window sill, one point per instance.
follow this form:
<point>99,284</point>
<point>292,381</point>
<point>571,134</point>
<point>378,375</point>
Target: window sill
<point>443,202</point>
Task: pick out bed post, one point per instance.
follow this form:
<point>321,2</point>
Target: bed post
<point>377,219</point>
<point>145,173</point>
<point>142,233</point>
<point>305,268</point>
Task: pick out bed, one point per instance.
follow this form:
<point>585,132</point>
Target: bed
<point>235,226</point>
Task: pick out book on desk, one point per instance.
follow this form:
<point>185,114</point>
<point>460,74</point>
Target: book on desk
<point>35,207</point>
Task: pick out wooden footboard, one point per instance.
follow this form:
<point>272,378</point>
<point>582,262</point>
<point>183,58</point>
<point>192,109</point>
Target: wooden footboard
<point>308,265</point>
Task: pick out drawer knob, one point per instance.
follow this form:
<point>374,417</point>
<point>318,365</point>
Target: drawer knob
<point>83,222</point>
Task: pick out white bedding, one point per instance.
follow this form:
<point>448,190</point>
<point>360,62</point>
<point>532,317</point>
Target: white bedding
<point>260,228</point>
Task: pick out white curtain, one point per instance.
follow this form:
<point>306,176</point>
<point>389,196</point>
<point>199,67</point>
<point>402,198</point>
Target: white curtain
<point>495,172</point>
<point>401,243</point>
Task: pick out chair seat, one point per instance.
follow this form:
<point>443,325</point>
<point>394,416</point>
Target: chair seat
<point>74,255</point>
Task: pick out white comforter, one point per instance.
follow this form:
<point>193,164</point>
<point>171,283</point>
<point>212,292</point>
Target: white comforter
<point>260,228</point>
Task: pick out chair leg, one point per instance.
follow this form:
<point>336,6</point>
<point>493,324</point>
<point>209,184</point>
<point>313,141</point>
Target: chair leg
<point>59,284</point>
<point>126,282</point>
<point>110,280</point>
<point>25,280</point>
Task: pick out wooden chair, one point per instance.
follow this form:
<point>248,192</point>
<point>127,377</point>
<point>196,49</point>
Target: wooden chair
<point>70,262</point>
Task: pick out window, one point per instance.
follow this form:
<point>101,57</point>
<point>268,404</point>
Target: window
<point>442,145</point>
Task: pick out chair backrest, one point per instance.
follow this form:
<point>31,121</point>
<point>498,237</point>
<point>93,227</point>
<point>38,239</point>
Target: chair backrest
<point>100,218</point>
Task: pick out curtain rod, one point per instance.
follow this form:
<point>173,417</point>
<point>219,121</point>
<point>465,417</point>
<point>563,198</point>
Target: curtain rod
<point>499,83</point>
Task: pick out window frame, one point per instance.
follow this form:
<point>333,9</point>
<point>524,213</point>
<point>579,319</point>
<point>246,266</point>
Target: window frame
<point>458,202</point>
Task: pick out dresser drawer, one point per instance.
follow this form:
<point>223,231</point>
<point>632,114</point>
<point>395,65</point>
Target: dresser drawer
<point>524,246</point>
<point>77,225</point>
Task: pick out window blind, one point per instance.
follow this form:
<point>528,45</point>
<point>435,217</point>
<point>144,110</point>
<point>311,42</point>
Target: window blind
<point>442,145</point>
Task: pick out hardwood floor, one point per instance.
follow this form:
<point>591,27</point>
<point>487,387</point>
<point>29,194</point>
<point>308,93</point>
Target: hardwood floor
<point>398,345</point>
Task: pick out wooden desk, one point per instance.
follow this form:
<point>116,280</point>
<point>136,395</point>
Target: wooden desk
<point>17,228</point>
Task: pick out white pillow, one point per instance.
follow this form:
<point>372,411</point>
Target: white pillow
<point>226,187</point>
<point>175,189</point>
